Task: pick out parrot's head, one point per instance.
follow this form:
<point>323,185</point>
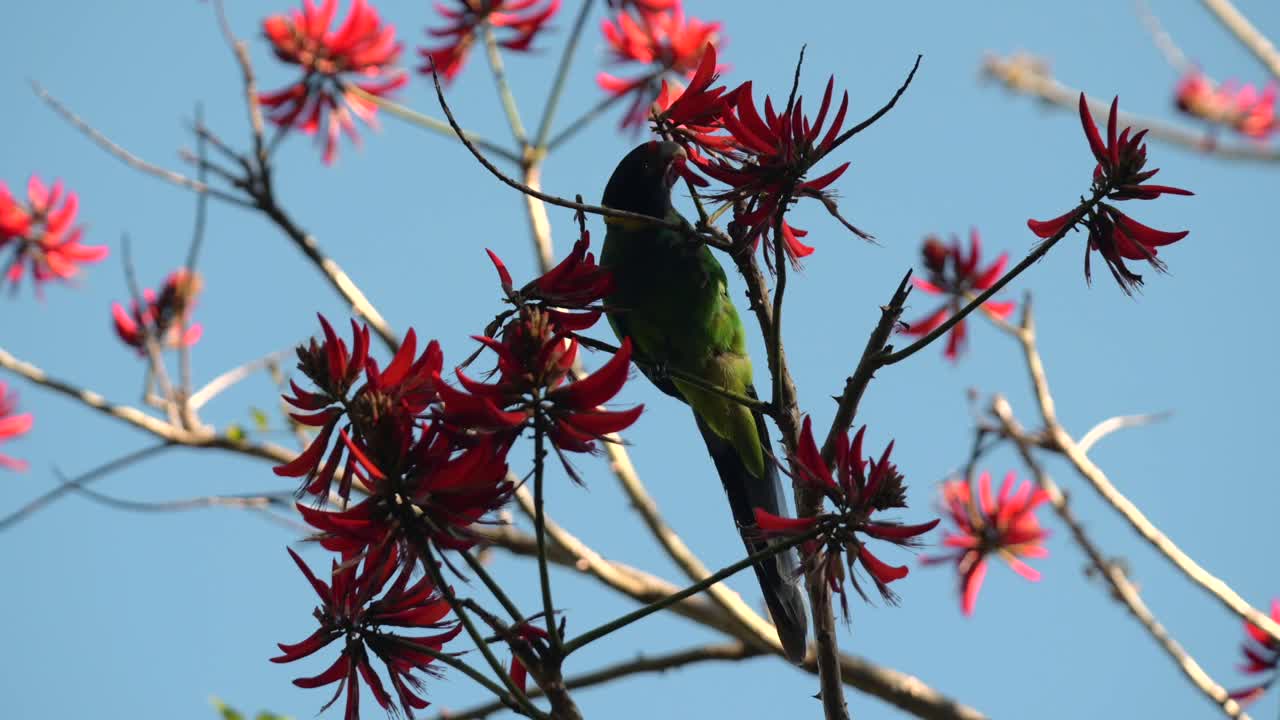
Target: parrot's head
<point>642,181</point>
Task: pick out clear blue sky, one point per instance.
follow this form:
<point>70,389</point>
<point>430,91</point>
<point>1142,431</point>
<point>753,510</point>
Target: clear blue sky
<point>110,614</point>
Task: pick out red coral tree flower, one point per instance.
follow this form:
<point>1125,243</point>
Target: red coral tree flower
<point>12,425</point>
<point>535,357</point>
<point>858,490</point>
<point>1005,526</point>
<point>42,235</point>
<point>570,294</point>
<point>957,275</point>
<point>1244,108</point>
<point>1119,176</point>
<point>368,626</point>
<point>520,18</point>
<point>766,172</point>
<point>381,413</point>
<point>668,44</point>
<point>362,53</point>
<point>1261,657</point>
<point>165,316</point>
<point>695,117</point>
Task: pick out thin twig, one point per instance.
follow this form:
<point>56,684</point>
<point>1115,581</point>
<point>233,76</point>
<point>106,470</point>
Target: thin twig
<point>1161,37</point>
<point>847,405</point>
<point>1028,75</point>
<point>1248,35</point>
<point>879,113</point>
<point>413,117</point>
<point>562,74</point>
<point>896,688</point>
<point>504,88</point>
<point>553,199</point>
<point>221,383</point>
<point>724,652</point>
<point>248,80</point>
<point>1120,422</point>
<point>1123,589</point>
<point>197,438</point>
<point>80,481</point>
<point>129,158</point>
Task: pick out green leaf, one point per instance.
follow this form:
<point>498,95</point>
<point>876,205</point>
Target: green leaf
<point>260,420</point>
<point>236,433</point>
<point>227,712</point>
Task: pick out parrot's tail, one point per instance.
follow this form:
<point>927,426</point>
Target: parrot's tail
<point>778,577</point>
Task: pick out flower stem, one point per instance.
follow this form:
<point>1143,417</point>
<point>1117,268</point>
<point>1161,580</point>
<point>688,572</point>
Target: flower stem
<point>540,530</point>
<point>1038,252</point>
<point>592,635</point>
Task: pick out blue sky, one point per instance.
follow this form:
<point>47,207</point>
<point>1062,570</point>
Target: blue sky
<point>115,614</point>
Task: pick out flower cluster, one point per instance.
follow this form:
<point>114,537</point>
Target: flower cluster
<point>959,277</point>
<point>1119,176</point>
<point>657,35</point>
<point>1262,657</point>
<point>429,460</point>
<point>1005,525</point>
<point>12,425</point>
<point>1243,108</point>
<point>42,234</point>
<point>355,610</point>
<point>859,489</point>
<point>165,316</point>
<point>763,158</point>
<point>522,20</point>
<point>361,53</point>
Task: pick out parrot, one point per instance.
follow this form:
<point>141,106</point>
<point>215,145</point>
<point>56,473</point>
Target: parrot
<point>670,298</point>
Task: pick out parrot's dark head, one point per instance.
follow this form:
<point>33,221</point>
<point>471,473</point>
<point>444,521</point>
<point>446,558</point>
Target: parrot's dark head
<point>642,181</point>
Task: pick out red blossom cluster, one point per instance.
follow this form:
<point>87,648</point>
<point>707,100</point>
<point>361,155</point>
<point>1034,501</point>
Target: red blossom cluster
<point>1004,526</point>
<point>362,53</point>
<point>859,489</point>
<point>430,460</point>
<point>165,316</point>
<point>522,19</point>
<point>42,234</point>
<point>1261,657</point>
<point>657,35</point>
<point>1241,107</point>
<point>355,610</point>
<point>959,277</point>
<point>761,158</point>
<point>1119,175</point>
<point>12,425</point>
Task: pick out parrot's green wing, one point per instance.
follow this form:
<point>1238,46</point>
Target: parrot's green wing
<point>671,299</point>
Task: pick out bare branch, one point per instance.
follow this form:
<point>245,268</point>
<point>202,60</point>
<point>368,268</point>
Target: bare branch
<point>219,384</point>
<point>1120,422</point>
<point>1124,590</point>
<point>1123,505</point>
<point>1030,76</point>
<point>1248,35</point>
<point>129,158</point>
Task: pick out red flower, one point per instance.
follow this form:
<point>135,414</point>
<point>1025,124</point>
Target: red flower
<point>166,317</point>
<point>1261,656</point>
<point>768,167</point>
<point>569,293</point>
<point>695,118</point>
<point>660,38</point>
<point>857,493</point>
<point>42,235</point>
<point>1005,525</point>
<point>533,637</point>
<point>367,627</point>
<point>1241,107</point>
<point>519,17</point>
<point>957,275</point>
<point>361,52</point>
<point>534,360</point>
<point>1119,175</point>
<point>651,6</point>
<point>12,425</point>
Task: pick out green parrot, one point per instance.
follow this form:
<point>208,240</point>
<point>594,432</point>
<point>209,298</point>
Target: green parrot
<point>671,299</point>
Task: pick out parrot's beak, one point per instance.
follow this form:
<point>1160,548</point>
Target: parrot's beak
<point>677,168</point>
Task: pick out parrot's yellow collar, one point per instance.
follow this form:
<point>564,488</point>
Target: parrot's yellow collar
<point>626,223</point>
